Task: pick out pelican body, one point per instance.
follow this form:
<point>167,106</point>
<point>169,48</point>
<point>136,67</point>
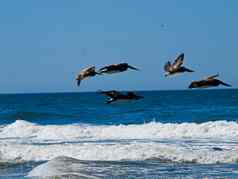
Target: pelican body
<point>118,96</point>
<point>116,68</point>
<point>208,82</point>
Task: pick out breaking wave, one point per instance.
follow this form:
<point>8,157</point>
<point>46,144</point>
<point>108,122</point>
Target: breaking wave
<point>210,142</point>
<point>153,130</point>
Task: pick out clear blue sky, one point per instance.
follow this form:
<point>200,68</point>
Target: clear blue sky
<point>44,44</point>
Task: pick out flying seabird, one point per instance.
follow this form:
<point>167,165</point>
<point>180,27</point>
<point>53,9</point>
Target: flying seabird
<point>118,96</point>
<point>176,67</point>
<point>86,73</point>
<point>116,68</point>
<point>210,81</point>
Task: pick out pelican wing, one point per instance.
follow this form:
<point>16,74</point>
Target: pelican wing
<point>168,67</point>
<point>108,66</point>
<point>88,70</point>
<point>101,70</point>
<point>178,62</point>
<point>111,94</point>
<point>212,77</point>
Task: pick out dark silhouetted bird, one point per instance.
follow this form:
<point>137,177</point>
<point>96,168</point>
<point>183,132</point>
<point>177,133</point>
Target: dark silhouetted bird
<point>86,73</point>
<point>118,96</point>
<point>116,68</point>
<point>210,81</point>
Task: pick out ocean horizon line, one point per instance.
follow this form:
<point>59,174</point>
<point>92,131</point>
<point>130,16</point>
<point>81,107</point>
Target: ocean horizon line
<point>122,90</point>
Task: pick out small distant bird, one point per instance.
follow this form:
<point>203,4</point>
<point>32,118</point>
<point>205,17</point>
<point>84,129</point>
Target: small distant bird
<point>118,96</point>
<point>162,25</point>
<point>176,67</point>
<point>86,73</point>
<point>210,81</point>
<point>116,68</point>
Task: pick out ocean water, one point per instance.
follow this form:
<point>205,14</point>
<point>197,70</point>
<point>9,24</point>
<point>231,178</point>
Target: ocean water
<point>168,134</point>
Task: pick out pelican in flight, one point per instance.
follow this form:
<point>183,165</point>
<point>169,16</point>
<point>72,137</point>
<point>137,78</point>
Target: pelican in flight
<point>210,81</point>
<point>114,95</point>
<point>176,67</point>
<point>116,68</point>
<point>86,73</point>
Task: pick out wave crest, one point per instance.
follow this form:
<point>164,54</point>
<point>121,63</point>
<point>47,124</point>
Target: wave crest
<point>210,142</point>
<point>153,130</point>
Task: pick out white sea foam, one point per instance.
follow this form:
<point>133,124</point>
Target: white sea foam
<point>219,129</point>
<point>117,152</point>
<point>210,142</point>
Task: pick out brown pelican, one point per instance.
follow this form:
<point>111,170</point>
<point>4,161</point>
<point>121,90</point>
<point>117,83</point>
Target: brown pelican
<point>116,68</point>
<point>210,81</point>
<point>118,96</point>
<point>86,73</point>
<point>176,67</point>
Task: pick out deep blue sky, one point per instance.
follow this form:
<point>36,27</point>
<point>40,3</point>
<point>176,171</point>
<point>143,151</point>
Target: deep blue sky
<point>44,44</point>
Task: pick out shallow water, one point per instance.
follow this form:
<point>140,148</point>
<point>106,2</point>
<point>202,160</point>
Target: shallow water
<point>169,134</point>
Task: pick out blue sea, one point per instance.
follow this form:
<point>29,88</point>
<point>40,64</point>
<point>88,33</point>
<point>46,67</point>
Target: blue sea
<point>168,134</point>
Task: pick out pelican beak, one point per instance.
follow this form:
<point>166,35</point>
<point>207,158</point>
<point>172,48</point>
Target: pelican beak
<point>140,97</point>
<point>78,81</point>
<point>191,86</point>
<point>133,68</point>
